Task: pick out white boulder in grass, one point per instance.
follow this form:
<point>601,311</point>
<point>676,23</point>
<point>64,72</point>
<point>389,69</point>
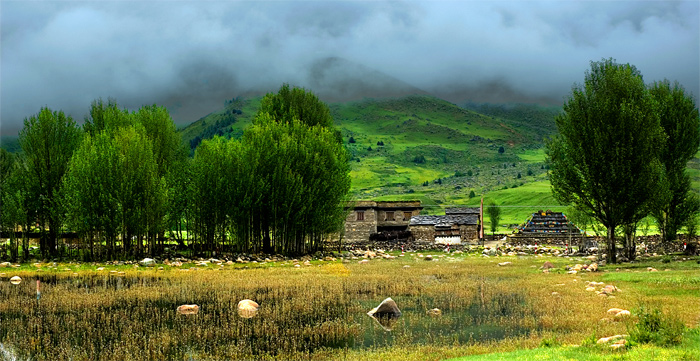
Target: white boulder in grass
<point>247,308</point>
<point>435,312</point>
<point>16,280</point>
<point>386,314</point>
<point>188,309</point>
<point>611,338</point>
<point>619,313</point>
<point>148,262</point>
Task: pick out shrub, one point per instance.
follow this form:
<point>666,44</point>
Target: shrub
<point>420,159</point>
<point>656,328</point>
<point>550,342</point>
<point>351,140</point>
<point>591,340</point>
<point>472,194</point>
<point>666,259</point>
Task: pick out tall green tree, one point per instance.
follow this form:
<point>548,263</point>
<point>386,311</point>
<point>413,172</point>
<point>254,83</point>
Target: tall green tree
<point>678,115</point>
<point>48,141</point>
<point>90,189</point>
<point>304,175</point>
<point>105,116</point>
<point>296,103</point>
<point>605,158</point>
<point>170,154</point>
<point>494,213</point>
<point>10,207</point>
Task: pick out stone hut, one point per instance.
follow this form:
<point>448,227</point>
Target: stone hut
<point>548,224</point>
<point>457,226</point>
<point>370,217</point>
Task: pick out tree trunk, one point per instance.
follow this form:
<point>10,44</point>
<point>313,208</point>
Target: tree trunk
<point>612,256</point>
<point>630,247</point>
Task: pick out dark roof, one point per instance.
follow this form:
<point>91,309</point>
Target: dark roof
<point>445,221</point>
<point>462,210</point>
<point>548,222</point>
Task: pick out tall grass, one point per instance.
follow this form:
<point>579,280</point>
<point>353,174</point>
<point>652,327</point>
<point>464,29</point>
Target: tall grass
<point>310,312</point>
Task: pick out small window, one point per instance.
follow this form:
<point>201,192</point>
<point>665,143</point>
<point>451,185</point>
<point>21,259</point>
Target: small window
<point>360,215</point>
<point>389,216</point>
<point>407,216</point>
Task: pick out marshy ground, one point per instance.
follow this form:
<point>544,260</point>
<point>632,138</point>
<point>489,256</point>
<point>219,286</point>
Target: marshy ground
<point>318,311</point>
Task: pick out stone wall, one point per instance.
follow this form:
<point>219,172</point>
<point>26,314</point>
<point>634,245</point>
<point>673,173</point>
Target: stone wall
<point>357,231</point>
<point>423,233</point>
<point>469,233</point>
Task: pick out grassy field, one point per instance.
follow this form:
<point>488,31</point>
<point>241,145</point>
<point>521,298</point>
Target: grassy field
<point>317,311</point>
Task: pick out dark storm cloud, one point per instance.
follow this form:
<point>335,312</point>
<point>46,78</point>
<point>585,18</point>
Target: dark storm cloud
<point>191,56</point>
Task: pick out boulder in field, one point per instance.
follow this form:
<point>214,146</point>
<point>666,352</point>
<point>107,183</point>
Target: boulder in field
<point>609,289</point>
<point>547,265</point>
<point>16,280</point>
<point>188,309</point>
<point>363,261</point>
<point>428,257</point>
<point>247,308</point>
<point>614,311</point>
<point>435,312</point>
<point>386,314</point>
<point>611,338</point>
<point>505,263</point>
<point>148,262</point>
<point>593,267</point>
<point>622,314</point>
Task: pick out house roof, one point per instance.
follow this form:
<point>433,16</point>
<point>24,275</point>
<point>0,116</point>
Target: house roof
<point>462,210</point>
<point>445,221</point>
<point>548,222</point>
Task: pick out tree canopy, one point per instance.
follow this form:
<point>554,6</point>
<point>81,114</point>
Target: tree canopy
<point>605,158</point>
<point>48,141</point>
<point>678,116</point>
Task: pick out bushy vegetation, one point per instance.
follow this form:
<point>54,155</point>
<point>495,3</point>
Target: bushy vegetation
<point>655,327</point>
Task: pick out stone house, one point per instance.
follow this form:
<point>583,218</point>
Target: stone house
<point>457,226</point>
<point>369,217</point>
<point>549,224</point>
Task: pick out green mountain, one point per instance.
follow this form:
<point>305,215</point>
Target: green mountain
<point>422,147</point>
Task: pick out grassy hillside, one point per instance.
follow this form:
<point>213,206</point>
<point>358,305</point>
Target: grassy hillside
<point>421,147</point>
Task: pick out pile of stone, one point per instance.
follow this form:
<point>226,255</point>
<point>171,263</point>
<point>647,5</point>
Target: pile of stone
<point>616,342</point>
<point>593,267</point>
<point>605,291</point>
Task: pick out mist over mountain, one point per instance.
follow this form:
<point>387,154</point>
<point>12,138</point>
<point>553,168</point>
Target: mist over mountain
<point>193,56</point>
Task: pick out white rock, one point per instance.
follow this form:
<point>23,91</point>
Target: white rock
<point>247,308</point>
<point>188,309</point>
<point>148,262</point>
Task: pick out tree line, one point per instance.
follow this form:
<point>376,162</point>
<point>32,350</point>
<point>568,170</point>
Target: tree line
<point>622,152</point>
<point>124,179</point>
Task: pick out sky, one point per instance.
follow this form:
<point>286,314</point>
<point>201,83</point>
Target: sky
<point>193,56</point>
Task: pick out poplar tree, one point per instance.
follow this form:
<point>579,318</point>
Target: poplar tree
<point>678,115</point>
<point>48,141</point>
<point>605,158</point>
